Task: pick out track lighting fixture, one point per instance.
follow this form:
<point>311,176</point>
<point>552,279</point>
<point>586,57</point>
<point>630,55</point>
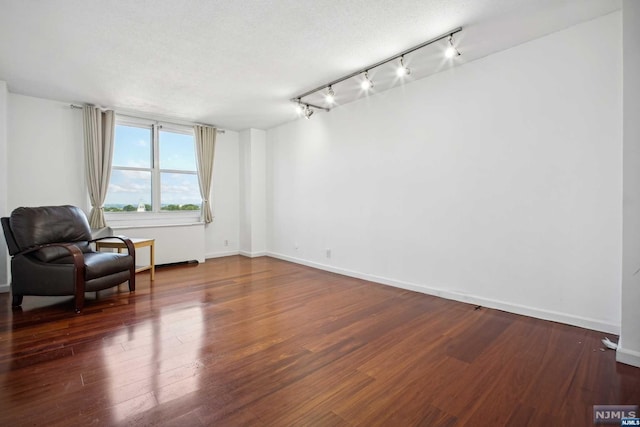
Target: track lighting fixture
<point>451,49</point>
<point>402,69</point>
<point>308,112</point>
<point>306,109</point>
<point>366,83</point>
<point>330,97</point>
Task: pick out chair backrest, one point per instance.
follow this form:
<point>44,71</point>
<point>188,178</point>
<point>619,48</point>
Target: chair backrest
<point>48,224</point>
<point>8,237</point>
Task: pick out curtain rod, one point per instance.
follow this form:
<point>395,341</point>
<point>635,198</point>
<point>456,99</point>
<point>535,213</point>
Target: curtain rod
<point>79,107</point>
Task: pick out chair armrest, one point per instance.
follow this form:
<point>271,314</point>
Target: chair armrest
<point>131,249</point>
<point>78,263</point>
<point>73,250</point>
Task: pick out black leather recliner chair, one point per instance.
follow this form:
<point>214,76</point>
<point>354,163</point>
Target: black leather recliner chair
<point>51,254</point>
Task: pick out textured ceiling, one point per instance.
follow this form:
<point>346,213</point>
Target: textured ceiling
<point>236,64</point>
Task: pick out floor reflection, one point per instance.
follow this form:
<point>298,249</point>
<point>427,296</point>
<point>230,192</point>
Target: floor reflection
<point>156,366</point>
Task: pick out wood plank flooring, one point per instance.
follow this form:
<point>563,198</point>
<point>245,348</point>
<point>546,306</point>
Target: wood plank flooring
<point>263,342</point>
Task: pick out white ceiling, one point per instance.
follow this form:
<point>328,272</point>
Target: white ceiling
<point>237,63</point>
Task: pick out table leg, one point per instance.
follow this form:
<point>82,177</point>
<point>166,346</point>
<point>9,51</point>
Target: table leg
<point>152,260</point>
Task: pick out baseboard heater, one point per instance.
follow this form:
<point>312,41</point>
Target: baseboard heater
<point>173,264</point>
<point>173,243</point>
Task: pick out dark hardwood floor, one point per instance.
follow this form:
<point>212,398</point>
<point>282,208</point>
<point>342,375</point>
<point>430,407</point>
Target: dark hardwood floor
<point>263,342</point>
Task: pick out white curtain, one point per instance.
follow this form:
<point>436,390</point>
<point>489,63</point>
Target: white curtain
<point>99,127</point>
<point>205,150</point>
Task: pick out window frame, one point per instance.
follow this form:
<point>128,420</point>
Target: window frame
<point>157,216</point>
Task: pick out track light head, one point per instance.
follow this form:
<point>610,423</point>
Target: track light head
<point>451,49</point>
<point>402,69</point>
<point>330,97</point>
<point>308,112</point>
<point>366,83</point>
<point>306,109</point>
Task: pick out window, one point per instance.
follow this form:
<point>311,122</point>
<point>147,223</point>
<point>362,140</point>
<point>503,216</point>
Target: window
<point>153,168</point>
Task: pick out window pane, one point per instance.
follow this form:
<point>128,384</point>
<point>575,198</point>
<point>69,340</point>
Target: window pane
<point>179,191</point>
<point>177,151</point>
<point>132,147</point>
<point>128,191</point>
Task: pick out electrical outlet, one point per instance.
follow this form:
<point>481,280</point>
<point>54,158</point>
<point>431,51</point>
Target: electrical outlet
<point>328,253</point>
<point>226,243</point>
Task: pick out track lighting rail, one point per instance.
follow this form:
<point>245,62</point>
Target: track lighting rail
<point>372,66</point>
<point>317,107</point>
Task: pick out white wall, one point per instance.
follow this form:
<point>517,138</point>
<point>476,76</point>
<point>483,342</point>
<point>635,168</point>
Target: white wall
<point>629,344</point>
<point>253,225</point>
<point>245,190</point>
<point>222,235</point>
<point>3,184</point>
<point>45,151</point>
<point>258,192</point>
<point>497,182</point>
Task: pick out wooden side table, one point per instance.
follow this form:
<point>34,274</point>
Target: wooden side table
<point>137,243</point>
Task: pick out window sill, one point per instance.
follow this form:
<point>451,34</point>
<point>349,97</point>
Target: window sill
<point>123,220</point>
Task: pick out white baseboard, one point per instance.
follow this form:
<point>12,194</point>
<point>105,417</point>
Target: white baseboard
<point>554,316</point>
<point>231,253</point>
<point>221,254</point>
<point>254,254</point>
<point>628,357</point>
<point>5,288</point>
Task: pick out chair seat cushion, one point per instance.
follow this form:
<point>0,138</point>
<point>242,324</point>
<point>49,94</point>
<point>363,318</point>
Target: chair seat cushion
<point>99,264</point>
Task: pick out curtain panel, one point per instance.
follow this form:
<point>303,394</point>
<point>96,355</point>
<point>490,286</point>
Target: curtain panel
<point>205,151</point>
<point>99,128</point>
